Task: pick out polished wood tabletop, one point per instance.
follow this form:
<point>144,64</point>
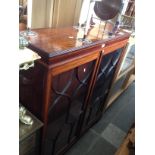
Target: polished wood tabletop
<point>50,42</point>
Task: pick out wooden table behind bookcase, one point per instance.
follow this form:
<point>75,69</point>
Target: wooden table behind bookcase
<point>68,86</point>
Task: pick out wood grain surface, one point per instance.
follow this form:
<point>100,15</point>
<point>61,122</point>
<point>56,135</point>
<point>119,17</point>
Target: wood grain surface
<point>52,42</point>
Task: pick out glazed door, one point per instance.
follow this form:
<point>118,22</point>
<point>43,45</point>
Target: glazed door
<point>69,90</point>
<point>101,88</point>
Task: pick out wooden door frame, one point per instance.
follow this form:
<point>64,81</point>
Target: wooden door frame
<point>105,50</point>
<point>60,68</point>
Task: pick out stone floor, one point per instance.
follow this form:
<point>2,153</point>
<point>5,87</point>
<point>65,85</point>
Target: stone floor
<point>106,136</point>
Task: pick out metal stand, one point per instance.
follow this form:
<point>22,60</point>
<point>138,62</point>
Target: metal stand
<point>84,39</point>
<point>87,24</point>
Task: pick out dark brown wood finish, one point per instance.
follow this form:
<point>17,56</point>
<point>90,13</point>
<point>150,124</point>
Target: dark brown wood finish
<point>59,88</point>
<point>53,42</point>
